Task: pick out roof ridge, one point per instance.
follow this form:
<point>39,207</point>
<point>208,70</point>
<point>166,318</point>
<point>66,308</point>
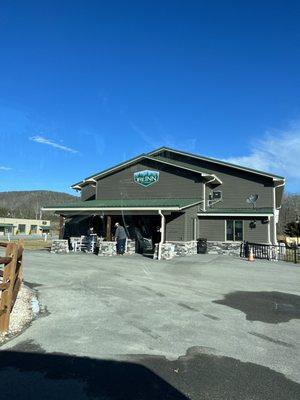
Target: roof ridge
<point>164,148</point>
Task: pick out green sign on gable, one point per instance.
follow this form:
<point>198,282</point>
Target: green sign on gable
<point>146,177</point>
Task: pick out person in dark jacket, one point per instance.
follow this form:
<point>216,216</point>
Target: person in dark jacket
<point>120,237</point>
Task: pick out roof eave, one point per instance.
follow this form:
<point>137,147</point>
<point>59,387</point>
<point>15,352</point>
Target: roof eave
<point>59,209</point>
<point>274,177</point>
<point>234,214</point>
<point>107,171</point>
<point>93,178</point>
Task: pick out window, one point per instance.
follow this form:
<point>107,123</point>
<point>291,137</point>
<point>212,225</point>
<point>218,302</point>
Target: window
<point>33,229</point>
<point>9,230</point>
<point>22,228</point>
<point>234,230</point>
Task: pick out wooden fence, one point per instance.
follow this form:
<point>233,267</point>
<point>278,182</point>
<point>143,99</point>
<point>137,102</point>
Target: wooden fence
<point>12,277</point>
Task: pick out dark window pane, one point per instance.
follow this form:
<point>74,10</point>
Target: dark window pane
<point>229,230</point>
<point>238,230</point>
<point>33,229</point>
<point>22,228</point>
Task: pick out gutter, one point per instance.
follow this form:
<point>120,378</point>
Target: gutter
<point>110,209</point>
<point>208,214</point>
<point>274,211</point>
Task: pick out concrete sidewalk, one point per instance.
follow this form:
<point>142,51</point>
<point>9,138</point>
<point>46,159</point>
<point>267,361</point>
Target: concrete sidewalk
<point>163,316</point>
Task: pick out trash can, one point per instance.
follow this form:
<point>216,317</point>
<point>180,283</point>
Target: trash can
<point>201,246</point>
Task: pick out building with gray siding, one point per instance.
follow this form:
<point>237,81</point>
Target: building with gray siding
<point>183,196</point>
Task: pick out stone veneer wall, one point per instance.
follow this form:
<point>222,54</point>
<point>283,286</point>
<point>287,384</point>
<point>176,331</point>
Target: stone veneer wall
<point>224,248</point>
<point>109,248</point>
<point>59,246</point>
<point>170,250</point>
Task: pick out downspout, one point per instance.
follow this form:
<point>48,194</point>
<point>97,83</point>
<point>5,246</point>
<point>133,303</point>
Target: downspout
<point>162,234</point>
<point>204,205</point>
<point>274,212</point>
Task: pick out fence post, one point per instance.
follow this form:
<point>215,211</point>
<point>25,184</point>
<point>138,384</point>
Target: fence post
<point>295,255</point>
<point>12,280</point>
<point>7,293</point>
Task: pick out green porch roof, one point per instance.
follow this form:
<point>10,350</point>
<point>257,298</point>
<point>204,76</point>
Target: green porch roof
<point>241,211</point>
<point>4,225</point>
<point>127,203</point>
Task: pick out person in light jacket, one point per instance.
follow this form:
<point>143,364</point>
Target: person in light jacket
<point>120,237</point>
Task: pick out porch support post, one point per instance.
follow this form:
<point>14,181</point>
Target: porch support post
<point>61,226</point>
<point>162,234</point>
<point>108,228</point>
<point>274,217</point>
<point>269,230</point>
<point>195,228</point>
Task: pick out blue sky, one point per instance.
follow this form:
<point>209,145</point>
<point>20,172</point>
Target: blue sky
<point>87,84</point>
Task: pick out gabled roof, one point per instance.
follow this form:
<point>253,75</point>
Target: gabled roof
<point>108,170</point>
<point>220,162</point>
<point>154,156</point>
<point>123,204</point>
<point>192,168</point>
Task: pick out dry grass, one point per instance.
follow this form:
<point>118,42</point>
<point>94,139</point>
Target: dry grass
<point>37,244</point>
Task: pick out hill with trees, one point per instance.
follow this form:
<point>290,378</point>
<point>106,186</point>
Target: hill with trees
<point>290,211</point>
<point>27,204</point>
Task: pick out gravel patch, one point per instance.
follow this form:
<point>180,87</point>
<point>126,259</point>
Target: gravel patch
<point>23,313</point>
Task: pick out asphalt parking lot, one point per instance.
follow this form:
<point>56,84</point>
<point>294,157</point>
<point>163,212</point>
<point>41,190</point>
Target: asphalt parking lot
<point>200,327</point>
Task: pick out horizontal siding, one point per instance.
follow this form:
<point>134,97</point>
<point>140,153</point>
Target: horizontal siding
<point>257,235</point>
<point>237,185</point>
<point>175,227</point>
<point>190,216</point>
<point>214,229</point>
<point>88,192</point>
<point>279,195</point>
<point>173,183</point>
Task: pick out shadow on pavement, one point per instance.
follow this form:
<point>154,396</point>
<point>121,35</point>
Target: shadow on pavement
<point>28,372</point>
<point>268,307</point>
<point>26,375</point>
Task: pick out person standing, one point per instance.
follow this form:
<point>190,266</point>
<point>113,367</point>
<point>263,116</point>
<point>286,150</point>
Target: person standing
<point>120,237</point>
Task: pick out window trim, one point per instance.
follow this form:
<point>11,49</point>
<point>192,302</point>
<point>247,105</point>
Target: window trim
<point>234,241</point>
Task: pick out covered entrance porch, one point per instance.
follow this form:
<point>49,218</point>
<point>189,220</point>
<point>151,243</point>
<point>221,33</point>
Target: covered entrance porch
<point>144,229</point>
<point>144,220</point>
